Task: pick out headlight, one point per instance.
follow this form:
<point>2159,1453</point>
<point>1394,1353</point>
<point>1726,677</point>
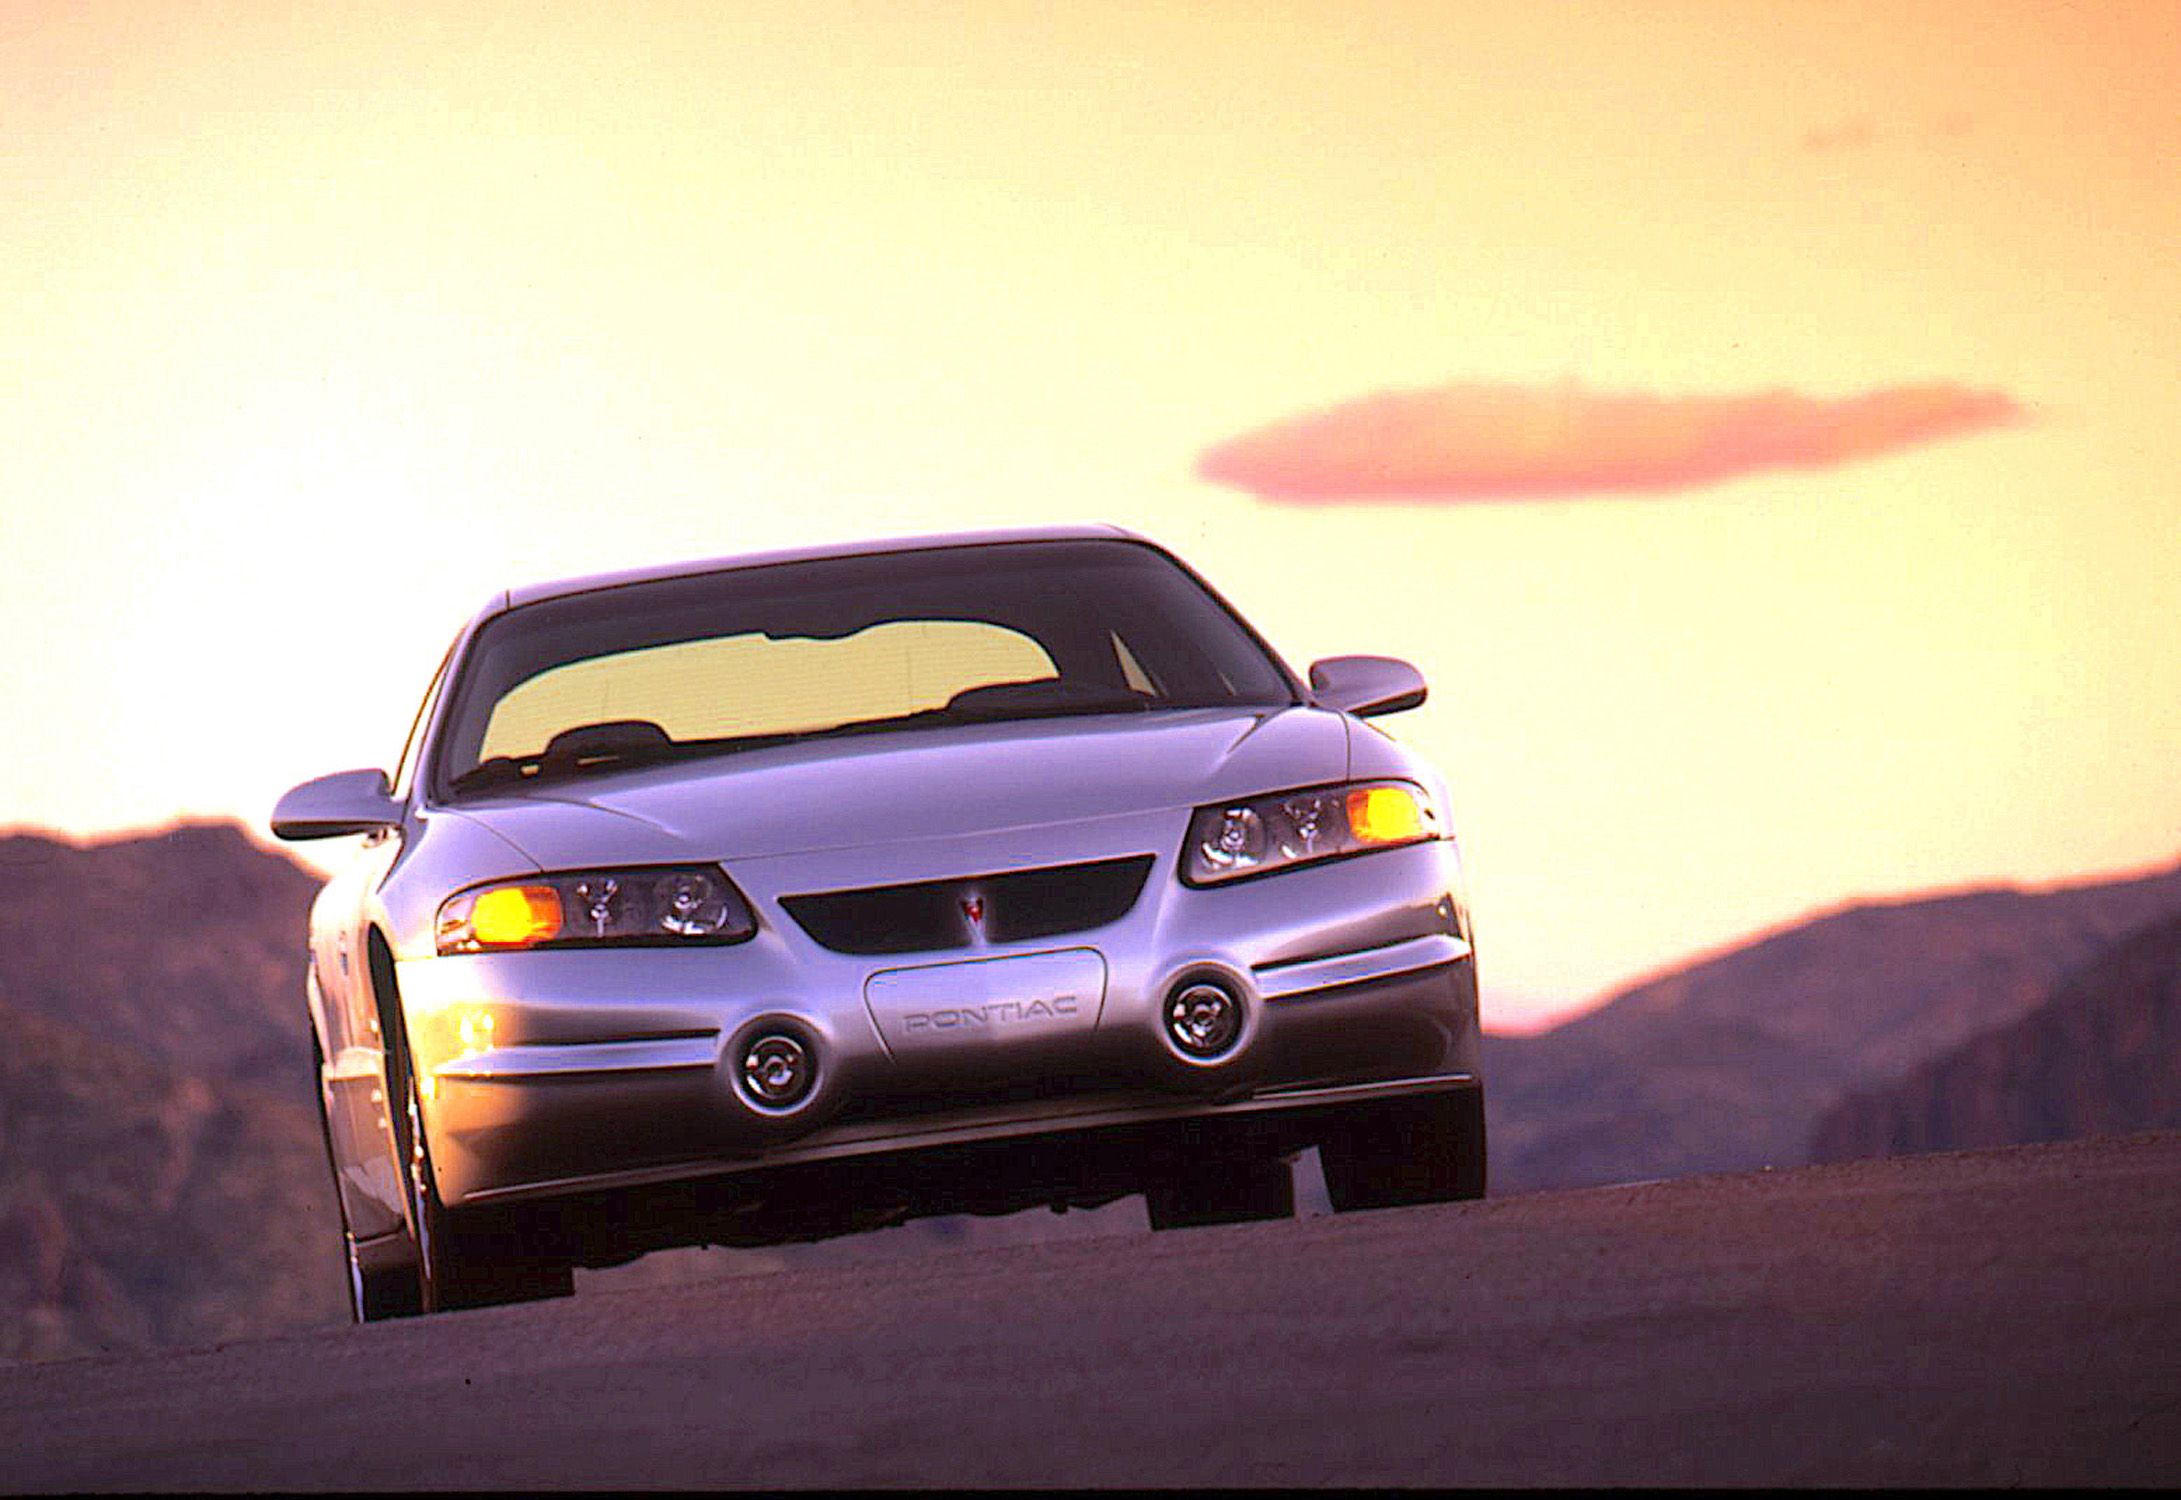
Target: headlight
<point>673,907</point>
<point>1229,840</point>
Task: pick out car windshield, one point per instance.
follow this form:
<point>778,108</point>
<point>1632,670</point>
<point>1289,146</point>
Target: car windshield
<point>719,662</point>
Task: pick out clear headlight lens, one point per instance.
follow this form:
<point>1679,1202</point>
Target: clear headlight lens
<point>1229,840</point>
<point>668,907</point>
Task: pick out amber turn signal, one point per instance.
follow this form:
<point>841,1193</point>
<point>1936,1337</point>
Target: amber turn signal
<point>1385,815</point>
<point>515,916</point>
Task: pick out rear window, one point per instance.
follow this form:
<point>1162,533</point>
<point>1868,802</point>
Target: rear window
<point>765,655</point>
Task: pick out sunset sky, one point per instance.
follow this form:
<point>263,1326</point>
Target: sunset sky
<point>1758,421</point>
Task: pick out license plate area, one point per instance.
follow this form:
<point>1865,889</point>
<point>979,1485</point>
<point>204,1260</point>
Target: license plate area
<point>984,1004</point>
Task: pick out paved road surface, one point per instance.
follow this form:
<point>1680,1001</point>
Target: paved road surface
<point>1988,1318</point>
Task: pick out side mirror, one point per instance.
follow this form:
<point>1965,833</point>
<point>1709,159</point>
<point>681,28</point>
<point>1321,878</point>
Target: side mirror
<point>343,803</point>
<point>1366,685</point>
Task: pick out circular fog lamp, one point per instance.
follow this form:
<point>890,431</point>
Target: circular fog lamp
<point>1204,1019</point>
<point>777,1070</point>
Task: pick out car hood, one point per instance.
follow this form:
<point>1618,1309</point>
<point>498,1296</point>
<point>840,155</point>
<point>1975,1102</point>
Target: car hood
<point>918,784</point>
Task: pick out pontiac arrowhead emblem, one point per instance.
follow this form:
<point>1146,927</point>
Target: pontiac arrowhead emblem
<point>973,908</point>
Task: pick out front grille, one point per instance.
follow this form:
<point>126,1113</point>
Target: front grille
<point>1019,906</point>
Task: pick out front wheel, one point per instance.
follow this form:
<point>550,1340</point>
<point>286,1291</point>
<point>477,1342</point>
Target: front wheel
<point>464,1258</point>
<point>1402,1151</point>
<point>375,1292</point>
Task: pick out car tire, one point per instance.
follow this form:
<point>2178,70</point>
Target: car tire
<point>1406,1151</point>
<point>1227,1192</point>
<point>374,1293</point>
<point>464,1259</point>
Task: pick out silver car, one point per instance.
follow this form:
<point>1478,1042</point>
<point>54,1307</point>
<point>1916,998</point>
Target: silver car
<point>795,894</point>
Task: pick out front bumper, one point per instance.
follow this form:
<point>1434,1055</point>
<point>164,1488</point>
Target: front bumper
<point>549,1073</point>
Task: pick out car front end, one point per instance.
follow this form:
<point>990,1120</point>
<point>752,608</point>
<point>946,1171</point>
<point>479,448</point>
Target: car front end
<point>979,985</point>
<point>1100,898</point>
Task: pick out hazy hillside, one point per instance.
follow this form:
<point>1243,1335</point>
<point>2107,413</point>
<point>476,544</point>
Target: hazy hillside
<point>185,946</point>
<point>161,1177</point>
<point>1728,1062</point>
<point>2102,1055</point>
<point>143,1206</point>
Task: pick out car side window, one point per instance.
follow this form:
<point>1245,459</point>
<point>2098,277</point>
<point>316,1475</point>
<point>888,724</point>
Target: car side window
<point>405,768</point>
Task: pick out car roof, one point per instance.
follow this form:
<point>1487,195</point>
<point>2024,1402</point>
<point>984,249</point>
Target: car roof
<point>561,588</point>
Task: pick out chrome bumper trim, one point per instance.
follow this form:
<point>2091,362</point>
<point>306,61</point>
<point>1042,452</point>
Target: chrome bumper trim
<point>543,1060</point>
<point>1277,981</point>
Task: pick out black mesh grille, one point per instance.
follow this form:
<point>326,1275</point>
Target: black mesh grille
<point>1017,907</point>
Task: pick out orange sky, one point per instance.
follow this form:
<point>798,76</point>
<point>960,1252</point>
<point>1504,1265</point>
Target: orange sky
<point>324,322</point>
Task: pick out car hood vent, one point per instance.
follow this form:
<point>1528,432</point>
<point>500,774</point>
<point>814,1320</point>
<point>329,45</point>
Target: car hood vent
<point>1018,906</point>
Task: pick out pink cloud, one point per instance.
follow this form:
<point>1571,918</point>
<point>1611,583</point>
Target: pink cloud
<point>1485,442</point>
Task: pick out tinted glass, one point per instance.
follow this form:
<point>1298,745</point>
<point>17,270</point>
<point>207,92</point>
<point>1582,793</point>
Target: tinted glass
<point>405,766</point>
<point>859,644</point>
